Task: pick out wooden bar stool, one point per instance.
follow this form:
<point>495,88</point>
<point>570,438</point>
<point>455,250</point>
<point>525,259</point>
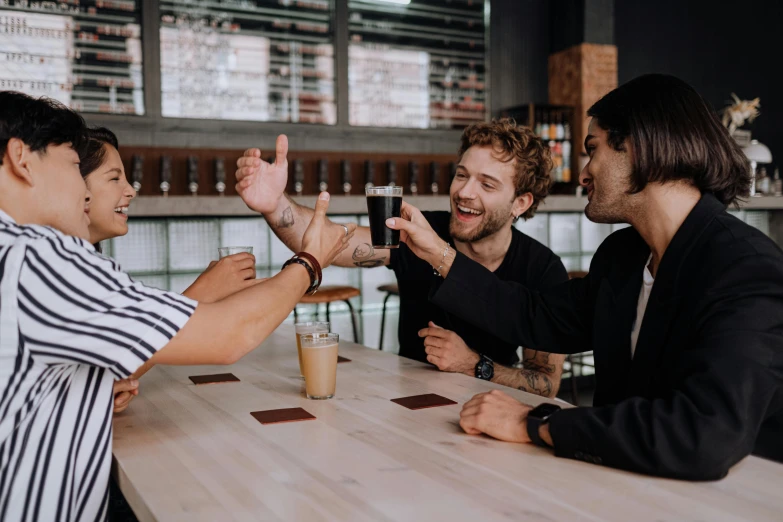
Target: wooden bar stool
<point>574,359</point>
<point>330,294</point>
<point>390,290</point>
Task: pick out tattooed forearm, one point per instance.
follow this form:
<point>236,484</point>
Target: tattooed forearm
<point>287,219</point>
<point>362,256</point>
<point>538,361</point>
<point>536,382</point>
<point>529,380</point>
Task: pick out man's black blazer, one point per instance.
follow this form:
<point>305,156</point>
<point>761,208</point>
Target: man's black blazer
<point>705,387</point>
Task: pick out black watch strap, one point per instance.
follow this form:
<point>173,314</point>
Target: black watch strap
<point>485,368</point>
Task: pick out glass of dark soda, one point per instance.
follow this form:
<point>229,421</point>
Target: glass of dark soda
<point>383,203</point>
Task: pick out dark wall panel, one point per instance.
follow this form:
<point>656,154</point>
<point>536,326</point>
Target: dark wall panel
<point>719,47</point>
<point>519,49</point>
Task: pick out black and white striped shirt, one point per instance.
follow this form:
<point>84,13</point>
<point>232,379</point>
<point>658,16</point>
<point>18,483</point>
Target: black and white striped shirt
<point>70,324</point>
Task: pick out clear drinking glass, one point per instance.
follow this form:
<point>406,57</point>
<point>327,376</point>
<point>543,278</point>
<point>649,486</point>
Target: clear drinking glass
<point>383,203</point>
<point>319,362</point>
<point>306,328</point>
<point>231,250</point>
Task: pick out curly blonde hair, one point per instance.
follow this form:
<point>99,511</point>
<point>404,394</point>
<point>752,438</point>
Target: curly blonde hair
<point>531,156</point>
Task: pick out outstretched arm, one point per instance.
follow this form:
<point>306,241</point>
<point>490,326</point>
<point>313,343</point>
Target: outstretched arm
<point>261,185</point>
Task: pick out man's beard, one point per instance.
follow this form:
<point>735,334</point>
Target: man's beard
<point>601,213</point>
<point>612,207</point>
<point>490,224</point>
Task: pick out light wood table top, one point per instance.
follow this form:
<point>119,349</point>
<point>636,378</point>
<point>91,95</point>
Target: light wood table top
<point>185,452</point>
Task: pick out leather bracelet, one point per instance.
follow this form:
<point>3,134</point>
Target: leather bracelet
<point>314,262</point>
<point>314,282</point>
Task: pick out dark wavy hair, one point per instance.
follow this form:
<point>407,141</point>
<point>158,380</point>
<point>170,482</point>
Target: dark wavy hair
<point>94,151</point>
<point>38,122</point>
<point>531,156</point>
<point>674,135</point>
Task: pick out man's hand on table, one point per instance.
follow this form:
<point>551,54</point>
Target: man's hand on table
<point>446,350</point>
<point>500,416</point>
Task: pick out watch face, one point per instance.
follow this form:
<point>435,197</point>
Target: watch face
<point>542,411</point>
<point>485,369</point>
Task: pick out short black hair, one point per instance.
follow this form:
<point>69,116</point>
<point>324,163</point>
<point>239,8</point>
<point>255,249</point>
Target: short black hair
<point>674,135</point>
<point>94,151</point>
<point>38,122</point>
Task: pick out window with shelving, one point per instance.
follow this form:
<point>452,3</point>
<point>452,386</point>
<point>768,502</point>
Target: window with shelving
<point>257,60</point>
<point>85,54</point>
<point>417,63</point>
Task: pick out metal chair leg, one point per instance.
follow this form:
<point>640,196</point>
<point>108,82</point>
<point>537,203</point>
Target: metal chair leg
<point>296,315</point>
<point>383,322</point>
<point>327,313</point>
<point>353,322</point>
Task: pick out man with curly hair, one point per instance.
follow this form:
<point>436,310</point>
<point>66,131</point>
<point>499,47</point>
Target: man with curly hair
<point>502,175</point>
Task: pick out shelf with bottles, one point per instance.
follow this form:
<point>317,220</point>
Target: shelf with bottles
<point>553,124</point>
<point>766,185</point>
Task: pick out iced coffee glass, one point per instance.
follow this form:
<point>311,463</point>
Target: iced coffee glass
<point>305,328</point>
<point>319,364</point>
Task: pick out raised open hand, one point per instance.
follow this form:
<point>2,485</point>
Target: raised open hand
<point>261,184</point>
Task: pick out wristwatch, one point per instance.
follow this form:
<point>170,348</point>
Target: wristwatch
<point>538,416</point>
<point>485,368</point>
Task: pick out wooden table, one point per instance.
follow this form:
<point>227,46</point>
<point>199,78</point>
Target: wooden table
<point>185,452</point>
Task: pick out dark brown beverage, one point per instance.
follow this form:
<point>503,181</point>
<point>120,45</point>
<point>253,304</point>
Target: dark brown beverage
<point>382,205</point>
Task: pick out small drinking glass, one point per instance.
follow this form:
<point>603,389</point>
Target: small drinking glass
<point>306,328</point>
<point>231,250</point>
<point>319,360</point>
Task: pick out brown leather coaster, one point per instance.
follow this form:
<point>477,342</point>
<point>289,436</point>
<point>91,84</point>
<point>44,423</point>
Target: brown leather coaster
<point>212,379</point>
<point>340,359</point>
<point>428,400</point>
<point>282,415</point>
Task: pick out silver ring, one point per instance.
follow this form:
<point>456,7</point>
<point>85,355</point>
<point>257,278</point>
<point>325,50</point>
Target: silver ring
<point>346,230</point>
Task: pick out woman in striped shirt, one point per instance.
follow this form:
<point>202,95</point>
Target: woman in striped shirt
<point>71,323</point>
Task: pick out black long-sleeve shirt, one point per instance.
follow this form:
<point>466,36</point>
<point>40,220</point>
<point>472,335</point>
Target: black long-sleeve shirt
<point>527,262</point>
<point>705,386</point>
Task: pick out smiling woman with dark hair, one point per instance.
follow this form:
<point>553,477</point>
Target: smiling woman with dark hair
<point>103,172</point>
